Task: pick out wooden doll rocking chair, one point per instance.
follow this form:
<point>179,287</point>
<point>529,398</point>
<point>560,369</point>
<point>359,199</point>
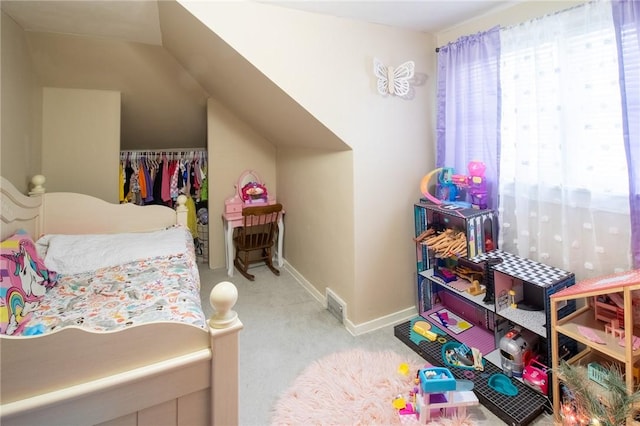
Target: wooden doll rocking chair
<point>255,239</point>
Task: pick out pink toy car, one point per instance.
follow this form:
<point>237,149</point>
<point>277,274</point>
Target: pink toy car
<point>535,375</point>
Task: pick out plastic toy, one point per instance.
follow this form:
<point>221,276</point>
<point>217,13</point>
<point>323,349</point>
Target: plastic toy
<point>446,243</point>
<point>535,375</point>
<point>474,275</point>
<point>488,244</point>
<point>502,384</point>
<point>477,184</point>
<point>478,361</point>
<point>423,328</point>
<point>459,355</point>
<point>475,288</point>
<point>512,299</point>
<point>438,390</point>
<point>203,215</point>
<point>424,186</point>
<point>598,374</point>
<point>516,350</point>
<point>436,379</point>
<point>399,403</point>
<point>254,192</point>
<point>445,275</point>
<point>467,273</point>
<point>459,190</point>
<point>447,190</point>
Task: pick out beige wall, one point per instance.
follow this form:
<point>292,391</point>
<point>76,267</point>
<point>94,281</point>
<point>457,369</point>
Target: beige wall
<point>316,186</point>
<point>233,147</point>
<point>391,141</point>
<point>81,141</point>
<point>21,105</point>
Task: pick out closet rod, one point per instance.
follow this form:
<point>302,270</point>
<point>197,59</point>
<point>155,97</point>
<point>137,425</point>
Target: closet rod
<point>164,150</point>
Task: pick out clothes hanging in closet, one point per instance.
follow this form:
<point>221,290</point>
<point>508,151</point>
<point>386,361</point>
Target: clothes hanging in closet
<point>159,177</point>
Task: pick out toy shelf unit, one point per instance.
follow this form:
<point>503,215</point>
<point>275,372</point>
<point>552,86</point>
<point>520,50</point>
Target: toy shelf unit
<point>510,328</point>
<point>480,296</point>
<point>445,234</point>
<point>520,302</point>
<point>606,328</point>
<point>522,291</point>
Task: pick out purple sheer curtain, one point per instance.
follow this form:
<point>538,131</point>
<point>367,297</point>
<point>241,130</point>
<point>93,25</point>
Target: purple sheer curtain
<point>468,106</point>
<point>626,16</point>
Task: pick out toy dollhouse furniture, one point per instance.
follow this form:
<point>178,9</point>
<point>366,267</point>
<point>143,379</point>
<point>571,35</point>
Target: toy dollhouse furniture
<point>587,326</point>
<point>257,235</point>
<point>437,391</point>
<point>485,316</point>
<point>250,191</point>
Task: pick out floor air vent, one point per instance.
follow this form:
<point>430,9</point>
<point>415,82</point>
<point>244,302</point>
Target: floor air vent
<point>335,305</point>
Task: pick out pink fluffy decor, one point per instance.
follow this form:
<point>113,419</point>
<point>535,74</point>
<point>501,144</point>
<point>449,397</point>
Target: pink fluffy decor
<point>354,387</point>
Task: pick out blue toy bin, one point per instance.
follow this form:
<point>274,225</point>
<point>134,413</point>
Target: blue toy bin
<point>437,379</point>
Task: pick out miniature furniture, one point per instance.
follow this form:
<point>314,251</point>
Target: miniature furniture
<point>608,308</point>
<point>250,191</point>
<point>257,235</point>
<point>614,329</point>
<point>599,346</point>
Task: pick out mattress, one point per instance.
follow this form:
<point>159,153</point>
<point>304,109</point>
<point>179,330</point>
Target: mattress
<point>148,289</point>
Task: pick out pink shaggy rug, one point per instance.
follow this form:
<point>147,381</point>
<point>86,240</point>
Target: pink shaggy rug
<point>354,387</point>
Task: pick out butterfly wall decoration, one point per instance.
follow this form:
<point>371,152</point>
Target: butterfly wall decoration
<point>393,81</point>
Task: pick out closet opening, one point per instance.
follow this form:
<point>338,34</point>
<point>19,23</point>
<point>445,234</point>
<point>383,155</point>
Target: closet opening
<point>158,177</point>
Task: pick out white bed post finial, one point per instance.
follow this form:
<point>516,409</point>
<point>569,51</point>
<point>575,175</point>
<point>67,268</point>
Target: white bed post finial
<point>181,210</point>
<point>223,297</point>
<point>37,181</point>
<point>224,326</point>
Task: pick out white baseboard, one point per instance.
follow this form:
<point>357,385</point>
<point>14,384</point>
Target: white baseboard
<point>355,329</point>
<point>305,284</point>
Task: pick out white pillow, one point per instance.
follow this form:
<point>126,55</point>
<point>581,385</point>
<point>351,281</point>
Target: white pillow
<point>74,254</point>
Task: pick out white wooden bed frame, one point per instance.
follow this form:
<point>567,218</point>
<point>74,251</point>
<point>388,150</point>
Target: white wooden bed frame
<point>151,374</point>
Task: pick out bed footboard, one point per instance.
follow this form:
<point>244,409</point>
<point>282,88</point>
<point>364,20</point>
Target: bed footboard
<point>224,326</point>
<point>195,382</point>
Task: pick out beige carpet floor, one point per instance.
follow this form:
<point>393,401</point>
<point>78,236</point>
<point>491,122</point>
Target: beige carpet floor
<point>285,330</point>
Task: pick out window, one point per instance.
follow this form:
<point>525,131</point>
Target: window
<point>561,118</point>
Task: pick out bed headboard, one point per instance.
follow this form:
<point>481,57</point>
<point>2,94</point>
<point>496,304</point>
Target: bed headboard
<point>72,213</point>
<point>18,211</point>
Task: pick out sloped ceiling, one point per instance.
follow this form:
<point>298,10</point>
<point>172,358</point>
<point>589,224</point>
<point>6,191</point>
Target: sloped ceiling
<point>165,68</point>
<point>166,64</point>
<point>239,85</point>
<point>135,21</point>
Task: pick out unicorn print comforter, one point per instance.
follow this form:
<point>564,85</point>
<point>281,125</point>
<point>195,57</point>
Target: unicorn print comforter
<point>165,287</point>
